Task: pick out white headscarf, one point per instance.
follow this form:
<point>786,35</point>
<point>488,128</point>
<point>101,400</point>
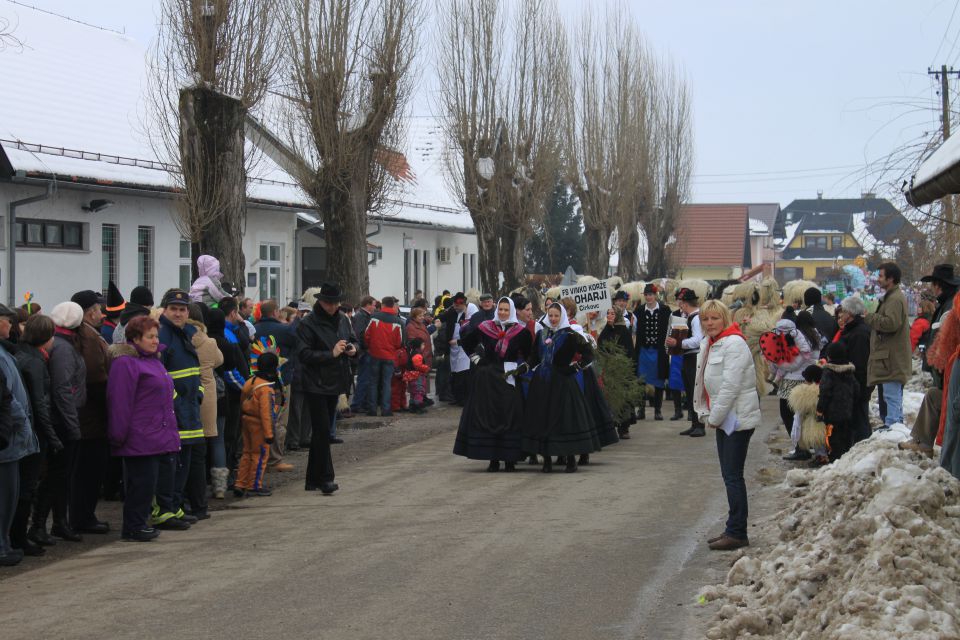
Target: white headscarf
<point>564,320</point>
<point>471,309</point>
<point>513,313</point>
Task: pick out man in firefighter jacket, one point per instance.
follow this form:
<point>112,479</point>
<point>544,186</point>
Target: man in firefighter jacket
<point>183,364</point>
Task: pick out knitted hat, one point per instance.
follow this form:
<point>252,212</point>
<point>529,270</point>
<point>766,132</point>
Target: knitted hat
<point>837,353</point>
<point>813,373</point>
<point>142,296</point>
<point>812,296</point>
<point>68,315</point>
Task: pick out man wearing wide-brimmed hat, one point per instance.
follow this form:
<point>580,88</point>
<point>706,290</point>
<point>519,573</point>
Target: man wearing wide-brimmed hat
<point>327,344</point>
<point>944,285</point>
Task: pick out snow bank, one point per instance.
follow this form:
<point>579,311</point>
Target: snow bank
<point>869,547</point>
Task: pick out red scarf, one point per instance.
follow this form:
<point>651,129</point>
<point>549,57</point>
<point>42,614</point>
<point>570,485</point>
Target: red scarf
<point>732,330</point>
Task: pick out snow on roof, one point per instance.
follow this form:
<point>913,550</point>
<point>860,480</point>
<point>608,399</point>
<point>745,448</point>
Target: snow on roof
<point>790,231</point>
<point>946,156</point>
<point>76,108</point>
<point>758,227</point>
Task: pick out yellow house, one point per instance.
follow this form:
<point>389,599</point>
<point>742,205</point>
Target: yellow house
<point>816,245</point>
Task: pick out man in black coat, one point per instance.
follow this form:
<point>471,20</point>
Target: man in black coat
<point>326,344</point>
<point>448,319</point>
<point>943,284</point>
<point>487,311</point>
<point>855,336</point>
<point>826,324</point>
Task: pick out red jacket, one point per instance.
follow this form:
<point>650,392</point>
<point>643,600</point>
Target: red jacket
<point>384,335</point>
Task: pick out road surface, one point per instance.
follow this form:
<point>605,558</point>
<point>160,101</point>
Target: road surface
<point>419,544</point>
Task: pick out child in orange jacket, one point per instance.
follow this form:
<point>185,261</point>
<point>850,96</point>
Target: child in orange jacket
<point>416,375</point>
<point>260,402</point>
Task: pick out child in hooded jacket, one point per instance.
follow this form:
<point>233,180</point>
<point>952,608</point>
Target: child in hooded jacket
<point>838,393</point>
<point>260,403</point>
<point>416,373</point>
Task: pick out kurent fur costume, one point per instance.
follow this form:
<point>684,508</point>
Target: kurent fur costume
<point>754,321</point>
<point>813,431</point>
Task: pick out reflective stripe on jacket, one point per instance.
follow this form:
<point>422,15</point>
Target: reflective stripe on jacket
<point>183,364</point>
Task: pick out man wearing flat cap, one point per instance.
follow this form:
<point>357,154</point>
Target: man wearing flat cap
<point>180,358</point>
<point>488,309</point>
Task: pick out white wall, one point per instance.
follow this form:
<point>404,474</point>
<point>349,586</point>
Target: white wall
<point>53,275</point>
<point>387,275</point>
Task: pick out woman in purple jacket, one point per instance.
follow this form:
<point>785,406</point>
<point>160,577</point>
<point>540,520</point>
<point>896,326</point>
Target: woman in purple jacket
<point>143,426</point>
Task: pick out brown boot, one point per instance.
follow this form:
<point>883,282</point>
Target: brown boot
<point>726,543</point>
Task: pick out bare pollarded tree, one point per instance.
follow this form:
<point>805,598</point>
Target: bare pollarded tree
<point>630,145</point>
<point>673,144</point>
<point>502,106</point>
<point>350,75</point>
<point>608,137</point>
<point>213,64</point>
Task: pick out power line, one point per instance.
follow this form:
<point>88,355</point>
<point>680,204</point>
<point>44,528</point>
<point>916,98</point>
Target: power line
<point>769,173</point>
<point>946,32</point>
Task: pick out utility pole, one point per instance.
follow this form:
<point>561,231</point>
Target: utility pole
<point>950,223</point>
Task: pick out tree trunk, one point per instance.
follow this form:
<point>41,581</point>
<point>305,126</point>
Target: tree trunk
<point>345,238</point>
<point>629,266</point>
<point>215,179</point>
<point>598,253</point>
<point>511,259</point>
<point>488,253</point>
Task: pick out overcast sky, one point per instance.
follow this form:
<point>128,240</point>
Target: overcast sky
<point>788,98</point>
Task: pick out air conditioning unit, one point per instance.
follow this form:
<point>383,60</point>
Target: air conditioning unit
<point>443,255</point>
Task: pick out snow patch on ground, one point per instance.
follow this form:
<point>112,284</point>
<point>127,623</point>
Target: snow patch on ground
<point>868,548</point>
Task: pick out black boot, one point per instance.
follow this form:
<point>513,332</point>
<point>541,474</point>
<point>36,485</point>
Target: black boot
<point>657,404</point>
<point>571,464</point>
<point>18,531</point>
<point>585,458</point>
<point>698,431</point>
<point>624,432</point>
<point>643,411</point>
<point>688,432</point>
<point>657,415</point>
<point>509,466</point>
<point>493,466</point>
<point>547,464</point>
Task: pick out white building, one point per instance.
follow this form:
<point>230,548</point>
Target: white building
<point>73,132</point>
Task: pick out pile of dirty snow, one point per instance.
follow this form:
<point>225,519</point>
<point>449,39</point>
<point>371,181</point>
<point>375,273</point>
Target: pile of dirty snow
<point>868,548</point>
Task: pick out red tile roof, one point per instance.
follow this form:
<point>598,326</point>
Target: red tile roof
<point>711,235</point>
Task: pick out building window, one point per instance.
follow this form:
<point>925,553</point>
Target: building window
<point>108,246</point>
<point>836,242</point>
<point>186,264</point>
<point>271,267</point>
<point>145,257</point>
<point>407,268</point>
<point>473,270</point>
<point>469,271</point>
<point>52,234</point>
<point>426,277</point>
<point>815,242</point>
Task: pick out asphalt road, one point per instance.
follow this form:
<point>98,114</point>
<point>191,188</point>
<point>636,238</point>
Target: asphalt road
<point>419,544</point>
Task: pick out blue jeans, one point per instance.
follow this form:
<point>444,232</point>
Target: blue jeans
<point>362,392</point>
<point>732,451</point>
<point>893,396</point>
<point>381,372</point>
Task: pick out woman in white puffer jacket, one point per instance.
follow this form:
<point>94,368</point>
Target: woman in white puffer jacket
<point>726,398</point>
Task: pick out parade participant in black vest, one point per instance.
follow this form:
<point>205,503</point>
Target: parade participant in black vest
<point>653,363</point>
<point>690,308</point>
<point>490,425</point>
<point>620,300</point>
<point>557,421</point>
